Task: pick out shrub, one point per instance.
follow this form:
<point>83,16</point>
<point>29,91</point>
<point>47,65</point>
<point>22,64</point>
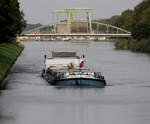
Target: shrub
<point>122,44</point>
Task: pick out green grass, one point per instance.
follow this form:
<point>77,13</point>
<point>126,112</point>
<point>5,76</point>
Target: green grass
<point>8,54</point>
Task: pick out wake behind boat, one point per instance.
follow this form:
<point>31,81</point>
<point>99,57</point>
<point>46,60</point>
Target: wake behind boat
<point>67,69</point>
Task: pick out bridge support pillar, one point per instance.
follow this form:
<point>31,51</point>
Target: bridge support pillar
<point>90,21</point>
<point>107,30</point>
<point>117,31</point>
<point>68,22</point>
<point>97,29</point>
<point>55,23</point>
<point>73,16</point>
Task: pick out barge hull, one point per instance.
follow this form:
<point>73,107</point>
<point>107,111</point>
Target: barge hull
<point>80,82</point>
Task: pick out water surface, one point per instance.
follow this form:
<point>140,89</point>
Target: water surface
<point>29,99</point>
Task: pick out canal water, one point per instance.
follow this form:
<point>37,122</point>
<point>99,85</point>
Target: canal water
<point>29,99</point>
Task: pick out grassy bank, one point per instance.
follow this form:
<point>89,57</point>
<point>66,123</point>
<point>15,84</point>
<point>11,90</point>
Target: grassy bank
<point>8,54</point>
<point>142,45</point>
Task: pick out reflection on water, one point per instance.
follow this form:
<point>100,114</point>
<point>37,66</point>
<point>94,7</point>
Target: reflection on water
<point>29,99</point>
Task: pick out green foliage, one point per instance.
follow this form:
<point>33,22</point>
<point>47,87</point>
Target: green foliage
<point>123,21</point>
<point>142,45</point>
<point>138,22</point>
<point>126,19</point>
<point>8,53</point>
<point>122,44</point>
<point>110,21</point>
<point>140,31</point>
<point>141,20</point>
<point>11,20</point>
<point>32,26</point>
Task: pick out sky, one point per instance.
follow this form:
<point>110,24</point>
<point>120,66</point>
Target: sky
<point>40,11</point>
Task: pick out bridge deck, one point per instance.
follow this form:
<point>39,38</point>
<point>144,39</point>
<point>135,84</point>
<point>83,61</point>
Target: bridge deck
<point>115,35</point>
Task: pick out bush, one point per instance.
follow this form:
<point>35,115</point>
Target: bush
<point>122,44</point>
<point>142,45</point>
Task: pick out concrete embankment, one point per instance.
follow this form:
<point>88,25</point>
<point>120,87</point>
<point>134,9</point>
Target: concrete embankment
<point>9,52</point>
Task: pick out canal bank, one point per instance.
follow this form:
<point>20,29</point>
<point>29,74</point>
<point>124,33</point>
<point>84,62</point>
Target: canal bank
<point>9,52</point>
<point>134,45</point>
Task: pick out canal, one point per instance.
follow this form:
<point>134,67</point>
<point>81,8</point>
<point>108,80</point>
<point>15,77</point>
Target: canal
<point>29,99</point>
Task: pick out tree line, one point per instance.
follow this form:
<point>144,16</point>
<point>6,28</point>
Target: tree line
<point>137,21</point>
<point>12,21</point>
<point>32,26</point>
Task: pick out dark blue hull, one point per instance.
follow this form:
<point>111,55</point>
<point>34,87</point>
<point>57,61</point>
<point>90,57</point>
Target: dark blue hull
<point>80,82</point>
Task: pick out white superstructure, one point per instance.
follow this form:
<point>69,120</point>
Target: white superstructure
<point>58,60</point>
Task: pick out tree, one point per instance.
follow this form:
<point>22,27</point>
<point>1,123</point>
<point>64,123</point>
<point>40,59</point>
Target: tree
<point>141,24</point>
<point>11,20</point>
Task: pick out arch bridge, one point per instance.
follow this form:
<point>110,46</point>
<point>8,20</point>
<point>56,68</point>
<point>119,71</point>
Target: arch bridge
<point>98,29</point>
<point>73,27</point>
